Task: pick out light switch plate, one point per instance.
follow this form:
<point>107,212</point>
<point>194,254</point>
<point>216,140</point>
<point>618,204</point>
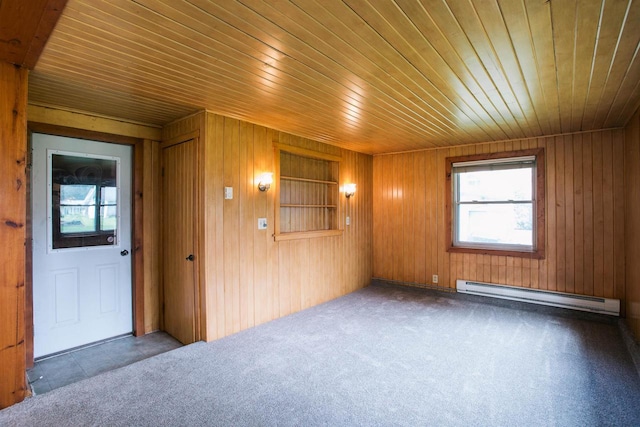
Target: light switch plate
<point>262,223</point>
<point>348,220</point>
<point>228,193</point>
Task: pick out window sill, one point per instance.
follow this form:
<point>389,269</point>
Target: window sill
<point>539,254</point>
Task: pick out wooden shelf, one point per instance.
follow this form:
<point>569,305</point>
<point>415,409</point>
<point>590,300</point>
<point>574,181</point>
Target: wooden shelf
<point>307,193</point>
<point>319,181</point>
<point>291,205</point>
<point>307,234</point>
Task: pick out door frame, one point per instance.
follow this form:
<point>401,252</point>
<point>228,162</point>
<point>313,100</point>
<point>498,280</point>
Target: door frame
<point>137,262</point>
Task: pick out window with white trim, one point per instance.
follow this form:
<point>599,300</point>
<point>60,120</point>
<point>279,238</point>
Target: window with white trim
<point>495,203</point>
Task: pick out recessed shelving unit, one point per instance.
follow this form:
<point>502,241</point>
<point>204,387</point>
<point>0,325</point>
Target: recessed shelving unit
<point>306,193</point>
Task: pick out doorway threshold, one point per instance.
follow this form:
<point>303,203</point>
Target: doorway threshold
<point>56,371</point>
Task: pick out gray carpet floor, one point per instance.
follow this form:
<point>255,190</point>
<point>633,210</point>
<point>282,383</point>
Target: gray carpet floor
<point>384,355</point>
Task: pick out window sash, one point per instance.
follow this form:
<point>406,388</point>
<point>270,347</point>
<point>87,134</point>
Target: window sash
<point>509,163</point>
<point>494,164</point>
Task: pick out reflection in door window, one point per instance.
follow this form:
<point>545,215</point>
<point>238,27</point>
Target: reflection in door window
<point>108,208</point>
<point>77,208</point>
<point>84,201</point>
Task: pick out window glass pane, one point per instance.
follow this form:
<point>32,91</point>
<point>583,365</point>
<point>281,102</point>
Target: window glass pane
<point>108,210</point>
<point>501,223</point>
<point>77,208</point>
<point>108,195</point>
<point>496,185</point>
<point>84,200</point>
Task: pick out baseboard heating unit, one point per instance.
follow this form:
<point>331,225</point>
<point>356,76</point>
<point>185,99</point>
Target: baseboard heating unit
<point>536,296</point>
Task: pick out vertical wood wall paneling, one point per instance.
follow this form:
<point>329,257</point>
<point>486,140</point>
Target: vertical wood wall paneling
<point>587,159</point>
<point>248,277</point>
<point>261,238</point>
<point>248,196</point>
<point>397,215</point>
<point>569,215</point>
<point>137,248</point>
<point>409,243</point>
<point>13,134</point>
<point>598,215</point>
<point>421,252</point>
<point>560,223</point>
<point>214,221</point>
<point>619,221</point>
<point>578,216</point>
<point>584,187</point>
<point>151,231</point>
<point>608,207</point>
<point>632,222</point>
<point>231,250</point>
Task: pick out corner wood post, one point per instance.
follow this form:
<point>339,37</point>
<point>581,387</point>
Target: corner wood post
<point>13,147</point>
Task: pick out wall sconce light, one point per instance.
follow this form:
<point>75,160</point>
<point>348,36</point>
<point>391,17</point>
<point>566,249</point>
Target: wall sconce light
<point>349,190</point>
<point>265,181</point>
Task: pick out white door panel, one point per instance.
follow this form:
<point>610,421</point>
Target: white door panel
<point>81,199</point>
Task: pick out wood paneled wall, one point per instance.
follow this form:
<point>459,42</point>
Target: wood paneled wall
<point>632,222</point>
<point>584,218</point>
<point>247,277</point>
<point>13,150</point>
<point>151,232</point>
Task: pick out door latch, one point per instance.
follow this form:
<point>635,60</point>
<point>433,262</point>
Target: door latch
<point>124,252</point>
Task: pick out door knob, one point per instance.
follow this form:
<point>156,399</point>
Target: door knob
<point>190,258</point>
<point>124,252</point>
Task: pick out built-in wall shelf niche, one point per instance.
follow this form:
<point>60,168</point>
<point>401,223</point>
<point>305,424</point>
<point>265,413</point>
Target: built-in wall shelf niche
<point>307,193</point>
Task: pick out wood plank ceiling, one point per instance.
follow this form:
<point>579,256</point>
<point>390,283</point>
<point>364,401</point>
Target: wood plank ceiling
<point>374,76</point>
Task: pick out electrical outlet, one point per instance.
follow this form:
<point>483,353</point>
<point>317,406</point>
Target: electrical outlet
<point>434,279</point>
<point>262,223</point>
<point>348,221</point>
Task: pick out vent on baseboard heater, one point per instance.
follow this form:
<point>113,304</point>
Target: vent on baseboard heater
<point>537,296</point>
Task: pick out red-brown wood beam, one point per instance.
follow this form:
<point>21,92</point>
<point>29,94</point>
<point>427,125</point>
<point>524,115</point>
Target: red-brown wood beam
<point>13,149</point>
<point>25,27</point>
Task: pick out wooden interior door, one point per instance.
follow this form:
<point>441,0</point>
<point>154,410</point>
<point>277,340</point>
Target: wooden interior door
<point>179,260</point>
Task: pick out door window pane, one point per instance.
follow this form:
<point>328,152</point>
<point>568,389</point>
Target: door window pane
<point>108,208</point>
<point>84,199</point>
<point>77,208</point>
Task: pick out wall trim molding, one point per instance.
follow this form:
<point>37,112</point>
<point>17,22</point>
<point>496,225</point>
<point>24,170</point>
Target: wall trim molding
<point>59,116</point>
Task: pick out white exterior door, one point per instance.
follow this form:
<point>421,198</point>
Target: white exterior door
<point>81,210</point>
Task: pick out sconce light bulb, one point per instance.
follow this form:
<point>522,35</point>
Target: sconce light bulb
<point>266,179</point>
<point>349,190</point>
